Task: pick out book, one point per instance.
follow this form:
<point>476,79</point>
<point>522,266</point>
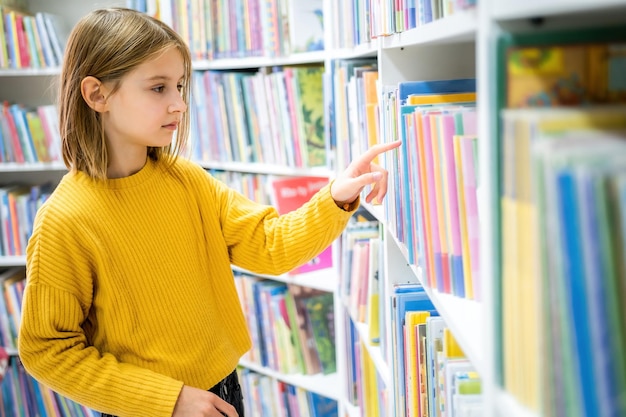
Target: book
<point>310,109</point>
<point>412,360</point>
<point>405,298</point>
<point>58,33</point>
<point>306,25</point>
<point>320,406</point>
<point>422,87</point>
<point>434,99</point>
<point>320,312</point>
<point>290,193</point>
<point>306,338</point>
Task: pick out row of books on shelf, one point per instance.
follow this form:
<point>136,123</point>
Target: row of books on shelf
<point>21,395</point>
<point>435,175</point>
<point>265,396</point>
<point>18,207</point>
<point>430,375</point>
<point>29,134</point>
<point>241,28</point>
<point>359,22</point>
<point>562,205</point>
<point>352,107</point>
<point>274,118</point>
<point>292,327</point>
<point>31,40</point>
<point>434,209</point>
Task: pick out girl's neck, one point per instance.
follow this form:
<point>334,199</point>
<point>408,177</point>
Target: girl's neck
<point>125,165</point>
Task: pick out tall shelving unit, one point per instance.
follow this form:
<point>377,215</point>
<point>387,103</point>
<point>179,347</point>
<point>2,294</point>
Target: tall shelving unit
<point>461,45</point>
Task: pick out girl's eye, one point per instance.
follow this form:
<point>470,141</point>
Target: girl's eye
<point>158,89</point>
<point>180,87</point>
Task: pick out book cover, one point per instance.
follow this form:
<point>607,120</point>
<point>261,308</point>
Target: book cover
<point>320,406</point>
<point>434,99</point>
<point>306,25</point>
<point>288,194</point>
<point>22,41</point>
<point>320,312</point>
<point>4,52</point>
<point>412,360</point>
<point>305,335</point>
<point>450,192</point>
<point>13,45</point>
<point>58,32</point>
<point>406,298</point>
<point>311,101</point>
<point>460,85</point>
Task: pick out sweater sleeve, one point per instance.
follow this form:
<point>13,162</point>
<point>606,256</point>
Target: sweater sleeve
<point>261,241</point>
<point>53,345</point>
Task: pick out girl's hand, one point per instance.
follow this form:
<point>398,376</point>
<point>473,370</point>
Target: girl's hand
<point>361,172</point>
<point>194,402</point>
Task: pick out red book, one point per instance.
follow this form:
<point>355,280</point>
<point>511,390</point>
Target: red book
<point>291,193</point>
<point>22,41</point>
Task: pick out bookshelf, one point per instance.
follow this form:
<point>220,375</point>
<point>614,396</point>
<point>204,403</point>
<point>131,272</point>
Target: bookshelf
<point>462,45</point>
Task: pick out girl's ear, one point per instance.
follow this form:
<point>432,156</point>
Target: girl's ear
<point>92,91</point>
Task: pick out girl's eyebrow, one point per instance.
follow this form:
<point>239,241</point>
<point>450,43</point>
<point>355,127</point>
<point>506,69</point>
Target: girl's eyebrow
<point>162,78</point>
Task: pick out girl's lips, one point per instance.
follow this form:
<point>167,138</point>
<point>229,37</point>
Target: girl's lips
<point>171,126</point>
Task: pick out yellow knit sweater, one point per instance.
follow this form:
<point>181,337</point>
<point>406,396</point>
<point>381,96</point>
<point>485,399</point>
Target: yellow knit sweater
<point>130,293</point>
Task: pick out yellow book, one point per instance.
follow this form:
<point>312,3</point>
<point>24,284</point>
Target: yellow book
<point>412,320</point>
<point>11,31</point>
<point>465,249</point>
<point>370,79</point>
<point>370,394</point>
<point>432,99</point>
<point>4,54</point>
<point>373,307</point>
<point>451,348</point>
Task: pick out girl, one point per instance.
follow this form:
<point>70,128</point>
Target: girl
<point>130,306</point>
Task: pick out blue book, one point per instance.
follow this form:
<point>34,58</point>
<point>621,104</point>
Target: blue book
<point>405,298</point>
<point>574,278</point>
<point>456,85</point>
<point>6,389</point>
<point>591,209</point>
<point>320,406</point>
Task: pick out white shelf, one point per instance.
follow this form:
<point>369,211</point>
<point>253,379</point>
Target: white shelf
<point>458,27</point>
<point>29,72</point>
<point>375,354</point>
<point>260,62</point>
<point>32,167</point>
<point>516,9</point>
<point>12,261</point>
<point>465,319</point>
<point>323,279</point>
<point>269,169</point>
<point>352,410</point>
<point>507,406</point>
<point>11,351</point>
<point>367,49</point>
<point>325,385</point>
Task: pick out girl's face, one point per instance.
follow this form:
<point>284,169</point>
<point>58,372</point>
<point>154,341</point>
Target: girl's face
<point>147,107</point>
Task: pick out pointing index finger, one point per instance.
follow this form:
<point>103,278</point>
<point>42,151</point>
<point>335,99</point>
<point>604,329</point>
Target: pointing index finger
<point>377,149</point>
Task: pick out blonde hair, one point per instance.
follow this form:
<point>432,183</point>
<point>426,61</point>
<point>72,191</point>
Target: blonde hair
<point>107,44</point>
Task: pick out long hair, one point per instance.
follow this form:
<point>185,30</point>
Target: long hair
<point>107,44</point>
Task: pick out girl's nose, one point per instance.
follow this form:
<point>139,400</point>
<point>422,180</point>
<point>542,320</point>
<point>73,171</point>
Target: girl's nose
<point>178,105</point>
